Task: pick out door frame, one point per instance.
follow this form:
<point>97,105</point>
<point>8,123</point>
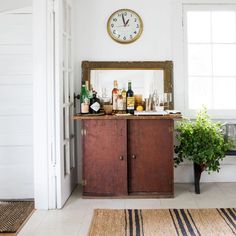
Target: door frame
<point>47,164</point>
<point>43,106</point>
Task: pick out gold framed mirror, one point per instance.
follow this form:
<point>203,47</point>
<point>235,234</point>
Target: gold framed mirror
<point>147,77</point>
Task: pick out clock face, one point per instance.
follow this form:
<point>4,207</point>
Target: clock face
<point>125,26</point>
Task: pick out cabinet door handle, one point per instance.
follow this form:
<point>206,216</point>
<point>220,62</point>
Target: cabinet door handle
<point>133,156</point>
<point>121,158</point>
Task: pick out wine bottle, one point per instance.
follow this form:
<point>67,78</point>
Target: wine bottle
<point>120,106</point>
<point>130,99</point>
<point>95,104</point>
<point>84,99</point>
<point>123,93</point>
<point>115,92</point>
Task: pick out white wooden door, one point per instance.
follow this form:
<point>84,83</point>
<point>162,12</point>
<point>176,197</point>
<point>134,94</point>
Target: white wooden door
<point>16,106</point>
<point>64,102</point>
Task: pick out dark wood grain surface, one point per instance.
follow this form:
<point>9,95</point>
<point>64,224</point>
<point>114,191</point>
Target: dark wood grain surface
<point>131,117</point>
<point>150,156</point>
<point>124,157</point>
<point>105,157</point>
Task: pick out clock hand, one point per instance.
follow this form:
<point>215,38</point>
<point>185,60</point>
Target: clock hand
<point>127,22</point>
<point>121,25</point>
<point>123,18</point>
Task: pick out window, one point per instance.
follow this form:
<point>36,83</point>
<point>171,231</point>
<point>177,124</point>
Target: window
<point>210,46</point>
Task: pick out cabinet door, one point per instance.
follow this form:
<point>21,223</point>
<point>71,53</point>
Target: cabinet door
<point>105,157</point>
<point>150,155</point>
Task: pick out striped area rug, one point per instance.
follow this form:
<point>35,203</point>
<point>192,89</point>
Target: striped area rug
<point>169,222</point>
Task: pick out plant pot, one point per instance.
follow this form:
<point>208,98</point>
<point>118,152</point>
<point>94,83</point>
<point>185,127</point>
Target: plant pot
<point>198,169</point>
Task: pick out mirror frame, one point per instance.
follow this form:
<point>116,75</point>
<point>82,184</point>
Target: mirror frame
<point>166,66</point>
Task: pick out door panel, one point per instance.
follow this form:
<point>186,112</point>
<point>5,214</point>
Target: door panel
<point>150,156</point>
<point>104,157</point>
<point>64,91</point>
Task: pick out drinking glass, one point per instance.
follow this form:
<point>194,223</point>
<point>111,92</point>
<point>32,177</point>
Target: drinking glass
<point>167,100</point>
<point>104,93</point>
<point>159,105</point>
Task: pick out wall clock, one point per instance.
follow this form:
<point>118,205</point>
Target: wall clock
<point>125,26</point>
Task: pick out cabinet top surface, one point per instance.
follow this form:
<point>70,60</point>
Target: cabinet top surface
<point>131,117</point>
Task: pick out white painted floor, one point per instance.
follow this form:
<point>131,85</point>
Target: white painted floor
<point>74,219</point>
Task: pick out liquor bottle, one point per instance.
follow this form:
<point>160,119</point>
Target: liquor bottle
<point>130,100</point>
<point>84,99</point>
<point>90,91</point>
<point>115,92</point>
<point>123,93</point>
<point>120,106</point>
<point>95,105</point>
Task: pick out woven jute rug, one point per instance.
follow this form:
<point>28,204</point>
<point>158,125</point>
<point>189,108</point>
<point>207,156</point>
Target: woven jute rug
<point>13,214</point>
<point>169,222</point>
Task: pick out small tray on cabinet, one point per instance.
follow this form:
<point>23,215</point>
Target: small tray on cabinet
<point>97,114</point>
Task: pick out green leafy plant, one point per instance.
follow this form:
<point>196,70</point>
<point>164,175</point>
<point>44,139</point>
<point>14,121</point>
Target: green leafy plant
<point>202,142</point>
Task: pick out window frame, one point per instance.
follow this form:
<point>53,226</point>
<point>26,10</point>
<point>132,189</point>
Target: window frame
<point>214,113</point>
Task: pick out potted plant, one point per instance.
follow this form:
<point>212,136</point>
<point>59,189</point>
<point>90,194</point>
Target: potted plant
<point>202,142</point>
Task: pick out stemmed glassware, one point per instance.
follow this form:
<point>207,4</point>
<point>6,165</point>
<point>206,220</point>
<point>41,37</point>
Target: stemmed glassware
<point>158,101</point>
<point>167,100</point>
<point>161,101</point>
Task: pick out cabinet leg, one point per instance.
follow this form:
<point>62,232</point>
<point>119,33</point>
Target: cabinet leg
<point>197,175</point>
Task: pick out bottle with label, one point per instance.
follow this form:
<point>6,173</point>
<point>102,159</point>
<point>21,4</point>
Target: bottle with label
<point>95,105</point>
<point>120,105</point>
<point>123,93</point>
<point>130,100</point>
<point>84,99</point>
<point>115,92</point>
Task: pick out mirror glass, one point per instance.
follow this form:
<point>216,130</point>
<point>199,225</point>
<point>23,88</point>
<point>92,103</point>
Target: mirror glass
<point>148,78</point>
<point>144,82</point>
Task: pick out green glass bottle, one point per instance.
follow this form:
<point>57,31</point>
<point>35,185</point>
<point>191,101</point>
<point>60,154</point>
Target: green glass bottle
<point>84,99</point>
<point>130,99</point>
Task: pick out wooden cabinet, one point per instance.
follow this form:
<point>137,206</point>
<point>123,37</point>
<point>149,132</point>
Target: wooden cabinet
<point>150,156</point>
<point>124,157</point>
<point>104,157</point>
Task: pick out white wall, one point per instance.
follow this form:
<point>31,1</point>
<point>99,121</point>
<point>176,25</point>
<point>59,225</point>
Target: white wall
<point>7,5</point>
<point>16,131</point>
<point>161,40</point>
<point>94,42</point>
